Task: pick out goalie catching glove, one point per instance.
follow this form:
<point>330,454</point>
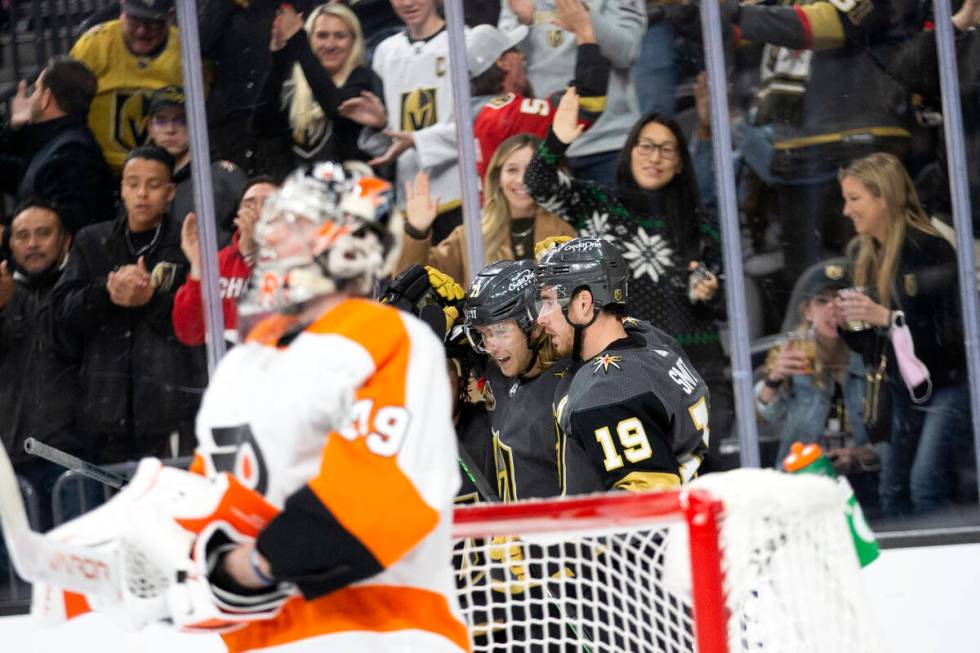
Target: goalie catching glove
<point>166,534</point>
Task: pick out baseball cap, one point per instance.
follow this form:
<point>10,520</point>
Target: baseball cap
<point>168,96</point>
<point>148,9</point>
<point>830,274</point>
<point>485,43</point>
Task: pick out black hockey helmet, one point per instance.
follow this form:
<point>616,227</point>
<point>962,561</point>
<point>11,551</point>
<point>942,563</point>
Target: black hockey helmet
<point>591,263</point>
<point>499,292</point>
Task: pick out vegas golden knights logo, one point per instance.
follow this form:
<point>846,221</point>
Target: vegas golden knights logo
<point>911,285</point>
<point>419,109</point>
<point>129,119</point>
<point>555,37</point>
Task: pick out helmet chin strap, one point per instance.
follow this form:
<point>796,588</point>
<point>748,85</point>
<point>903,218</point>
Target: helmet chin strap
<point>579,332</point>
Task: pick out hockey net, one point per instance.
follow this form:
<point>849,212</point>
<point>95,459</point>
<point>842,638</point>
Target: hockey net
<point>749,560</point>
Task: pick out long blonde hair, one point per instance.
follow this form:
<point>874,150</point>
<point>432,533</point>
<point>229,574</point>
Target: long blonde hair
<point>885,177</point>
<point>304,112</point>
<point>496,210</point>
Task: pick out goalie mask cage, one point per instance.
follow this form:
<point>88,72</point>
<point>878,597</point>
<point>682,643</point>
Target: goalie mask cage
<point>750,560</point>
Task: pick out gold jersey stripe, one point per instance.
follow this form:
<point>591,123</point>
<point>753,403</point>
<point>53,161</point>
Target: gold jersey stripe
<point>836,137</point>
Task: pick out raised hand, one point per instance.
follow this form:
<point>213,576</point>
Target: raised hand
<point>420,209</point>
<point>968,15</point>
<point>6,284</point>
<point>565,124</point>
<point>523,10</point>
<point>572,16</point>
<point>286,24</point>
<point>365,110</point>
<point>20,106</point>
<point>190,244</point>
<point>245,221</point>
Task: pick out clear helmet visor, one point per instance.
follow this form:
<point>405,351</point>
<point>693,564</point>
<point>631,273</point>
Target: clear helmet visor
<point>482,337</point>
<point>543,300</point>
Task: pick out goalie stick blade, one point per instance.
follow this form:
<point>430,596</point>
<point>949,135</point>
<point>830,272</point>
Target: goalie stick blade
<point>37,558</point>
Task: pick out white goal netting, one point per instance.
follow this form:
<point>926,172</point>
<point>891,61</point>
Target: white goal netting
<point>613,573</point>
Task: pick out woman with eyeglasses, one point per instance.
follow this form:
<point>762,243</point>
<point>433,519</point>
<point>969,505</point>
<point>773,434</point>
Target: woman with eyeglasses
<point>655,217</point>
<point>167,128</point>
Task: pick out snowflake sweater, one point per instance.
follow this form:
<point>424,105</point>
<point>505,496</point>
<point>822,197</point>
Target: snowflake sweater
<point>658,265</point>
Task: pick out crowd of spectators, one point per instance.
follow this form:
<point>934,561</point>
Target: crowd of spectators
<point>100,301</point>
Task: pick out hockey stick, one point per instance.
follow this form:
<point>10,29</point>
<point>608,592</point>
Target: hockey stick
<point>36,558</point>
<point>75,464</point>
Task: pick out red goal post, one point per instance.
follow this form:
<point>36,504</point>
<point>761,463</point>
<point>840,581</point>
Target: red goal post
<point>751,560</point>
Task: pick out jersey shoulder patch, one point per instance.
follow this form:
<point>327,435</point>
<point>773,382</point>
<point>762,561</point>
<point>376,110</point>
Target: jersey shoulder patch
<point>500,101</point>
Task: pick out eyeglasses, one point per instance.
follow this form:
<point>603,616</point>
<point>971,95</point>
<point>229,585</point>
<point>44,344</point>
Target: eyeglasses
<point>668,151</point>
<point>163,122</point>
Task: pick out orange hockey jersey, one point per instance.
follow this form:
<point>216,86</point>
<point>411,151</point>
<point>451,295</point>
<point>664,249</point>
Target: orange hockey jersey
<point>346,425</point>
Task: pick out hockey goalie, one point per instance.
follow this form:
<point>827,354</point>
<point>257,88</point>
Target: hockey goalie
<point>318,510</point>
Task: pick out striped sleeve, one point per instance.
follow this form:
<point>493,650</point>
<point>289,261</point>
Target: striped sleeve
<point>821,25</point>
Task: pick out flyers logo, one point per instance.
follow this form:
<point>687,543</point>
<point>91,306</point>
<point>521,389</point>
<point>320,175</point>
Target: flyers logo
<point>418,109</point>
<point>129,119</point>
<point>237,453</point>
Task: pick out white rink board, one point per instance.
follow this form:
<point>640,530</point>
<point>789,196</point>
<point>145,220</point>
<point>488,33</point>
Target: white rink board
<point>95,633</point>
<point>921,598</point>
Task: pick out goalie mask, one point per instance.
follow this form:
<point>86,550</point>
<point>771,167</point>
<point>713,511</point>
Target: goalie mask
<point>320,234</point>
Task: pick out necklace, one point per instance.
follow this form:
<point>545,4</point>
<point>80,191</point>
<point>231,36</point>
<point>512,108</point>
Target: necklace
<point>145,248</point>
<point>522,234</point>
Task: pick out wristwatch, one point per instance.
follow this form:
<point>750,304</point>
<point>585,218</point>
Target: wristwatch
<point>415,233</point>
<point>897,319</point>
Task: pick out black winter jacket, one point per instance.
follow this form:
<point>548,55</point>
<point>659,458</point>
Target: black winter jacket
<point>926,290</point>
<point>59,161</point>
<point>235,38</point>
<point>336,139</point>
<point>40,379</point>
<point>138,382</point>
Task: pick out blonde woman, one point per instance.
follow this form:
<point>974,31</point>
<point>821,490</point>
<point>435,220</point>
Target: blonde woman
<point>512,221</point>
<point>909,275</point>
<point>315,67</point>
<point>809,395</point>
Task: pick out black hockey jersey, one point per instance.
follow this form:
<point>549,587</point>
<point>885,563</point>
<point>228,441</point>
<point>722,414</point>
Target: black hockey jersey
<point>473,436</point>
<point>524,433</point>
<point>633,417</point>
